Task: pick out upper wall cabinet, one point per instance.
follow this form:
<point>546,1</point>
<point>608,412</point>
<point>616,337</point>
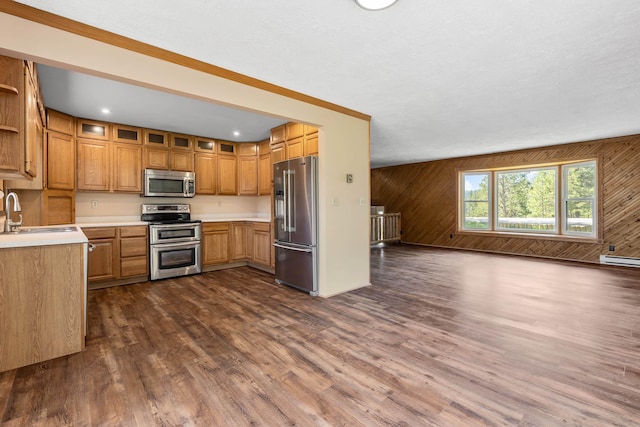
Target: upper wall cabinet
<point>181,142</point>
<point>205,145</point>
<point>128,134</point>
<point>155,138</point>
<point>93,130</point>
<point>21,124</point>
<point>60,122</point>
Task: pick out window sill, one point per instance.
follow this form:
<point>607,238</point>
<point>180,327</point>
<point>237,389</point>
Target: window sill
<point>532,236</point>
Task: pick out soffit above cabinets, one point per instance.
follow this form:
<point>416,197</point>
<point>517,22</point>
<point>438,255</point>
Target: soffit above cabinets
<point>83,95</point>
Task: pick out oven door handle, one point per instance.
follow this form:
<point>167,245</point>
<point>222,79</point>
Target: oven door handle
<point>177,245</point>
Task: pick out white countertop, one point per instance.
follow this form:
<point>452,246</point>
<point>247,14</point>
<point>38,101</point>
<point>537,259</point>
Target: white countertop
<point>16,240</point>
<point>111,221</point>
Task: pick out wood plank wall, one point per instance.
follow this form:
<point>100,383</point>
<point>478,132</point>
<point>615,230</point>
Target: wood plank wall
<point>425,194</point>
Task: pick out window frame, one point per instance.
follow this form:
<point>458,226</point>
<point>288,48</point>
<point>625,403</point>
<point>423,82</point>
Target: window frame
<point>565,199</point>
<point>463,200</point>
<point>556,226</point>
<point>561,231</point>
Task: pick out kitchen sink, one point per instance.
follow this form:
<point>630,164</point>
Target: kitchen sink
<point>45,230</point>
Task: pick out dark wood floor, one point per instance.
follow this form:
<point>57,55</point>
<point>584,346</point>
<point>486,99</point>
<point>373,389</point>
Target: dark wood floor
<point>442,338</point>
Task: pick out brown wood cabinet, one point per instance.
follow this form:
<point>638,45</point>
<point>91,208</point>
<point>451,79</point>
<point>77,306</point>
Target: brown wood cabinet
<point>206,173</point>
<point>295,148</point>
<point>156,158</point>
<point>134,250</point>
<point>262,243</point>
<point>311,145</point>
<point>278,153</point>
<point>60,122</point>
<point>239,241</point>
<point>127,134</point>
<point>278,135</point>
<point>248,176</point>
<point>104,258</point>
<point>227,175</point>
<point>205,145</point>
<point>215,243</point>
<point>181,160</point>
<point>61,161</point>
<point>92,129</point>
<point>155,138</point>
<point>265,170</point>
<point>93,165</point>
<point>58,207</point>
<point>21,125</point>
<point>294,130</point>
<point>180,142</point>
<point>42,315</point>
<point>127,168</point>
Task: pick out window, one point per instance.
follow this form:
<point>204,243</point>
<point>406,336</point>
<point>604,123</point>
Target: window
<point>476,201</point>
<point>559,199</point>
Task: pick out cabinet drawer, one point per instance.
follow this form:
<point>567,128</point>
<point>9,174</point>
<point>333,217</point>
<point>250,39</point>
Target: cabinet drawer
<point>134,231</point>
<point>100,233</point>
<point>261,226</point>
<point>133,246</point>
<point>215,226</point>
<point>133,267</point>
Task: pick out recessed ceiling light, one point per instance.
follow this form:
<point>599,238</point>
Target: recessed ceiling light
<point>375,4</point>
<point>105,111</point>
<point>236,133</point>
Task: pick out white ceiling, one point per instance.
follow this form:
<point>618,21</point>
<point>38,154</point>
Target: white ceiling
<point>440,79</point>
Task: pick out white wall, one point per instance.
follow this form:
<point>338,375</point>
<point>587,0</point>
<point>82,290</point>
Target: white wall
<point>343,141</point>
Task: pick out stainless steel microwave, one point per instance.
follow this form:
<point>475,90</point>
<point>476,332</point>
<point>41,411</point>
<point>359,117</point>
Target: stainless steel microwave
<point>160,183</point>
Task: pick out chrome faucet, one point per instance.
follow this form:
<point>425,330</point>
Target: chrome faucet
<point>9,225</point>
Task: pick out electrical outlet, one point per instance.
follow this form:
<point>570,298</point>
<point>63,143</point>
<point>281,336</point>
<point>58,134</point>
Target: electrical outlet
<point>94,204</point>
<point>612,248</point>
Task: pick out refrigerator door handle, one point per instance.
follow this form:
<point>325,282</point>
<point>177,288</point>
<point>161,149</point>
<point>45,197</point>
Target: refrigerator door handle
<point>277,245</point>
<point>285,219</point>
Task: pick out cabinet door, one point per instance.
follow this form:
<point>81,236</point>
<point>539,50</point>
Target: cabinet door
<point>295,148</point>
<point>294,130</point>
<point>102,260</point>
<point>182,161</point>
<point>248,176</point>
<point>205,145</point>
<point>93,130</point>
<point>34,129</point>
<point>311,145</point>
<point>278,135</point>
<point>264,174</point>
<point>11,117</point>
<point>127,174</point>
<point>227,175</point>
<point>238,241</point>
<point>61,160</point>
<point>155,138</point>
<point>127,134</point>
<point>215,245</point>
<point>278,153</point>
<point>262,247</point>
<point>59,122</point>
<point>156,158</point>
<point>181,142</point>
<point>205,168</point>
<point>93,172</point>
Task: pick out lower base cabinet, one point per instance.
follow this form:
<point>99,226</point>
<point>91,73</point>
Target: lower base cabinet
<point>215,243</point>
<point>42,314</point>
<point>118,252</point>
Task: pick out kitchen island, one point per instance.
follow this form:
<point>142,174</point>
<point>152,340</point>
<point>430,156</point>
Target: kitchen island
<point>42,295</point>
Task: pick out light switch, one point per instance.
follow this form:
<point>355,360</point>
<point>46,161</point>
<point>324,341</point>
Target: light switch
<point>335,201</point>
<point>349,178</point>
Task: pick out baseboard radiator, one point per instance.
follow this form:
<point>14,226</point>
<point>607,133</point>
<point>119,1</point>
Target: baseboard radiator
<point>620,260</point>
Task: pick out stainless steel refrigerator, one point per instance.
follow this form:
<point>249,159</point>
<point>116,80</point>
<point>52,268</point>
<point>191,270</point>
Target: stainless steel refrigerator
<point>295,184</point>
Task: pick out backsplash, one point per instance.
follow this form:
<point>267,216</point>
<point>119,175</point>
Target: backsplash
<point>129,205</point>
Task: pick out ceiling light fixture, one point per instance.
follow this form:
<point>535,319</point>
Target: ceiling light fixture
<point>375,4</point>
<point>105,111</point>
<point>236,133</point>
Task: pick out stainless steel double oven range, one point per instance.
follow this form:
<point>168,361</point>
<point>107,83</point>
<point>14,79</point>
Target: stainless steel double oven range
<point>174,240</point>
